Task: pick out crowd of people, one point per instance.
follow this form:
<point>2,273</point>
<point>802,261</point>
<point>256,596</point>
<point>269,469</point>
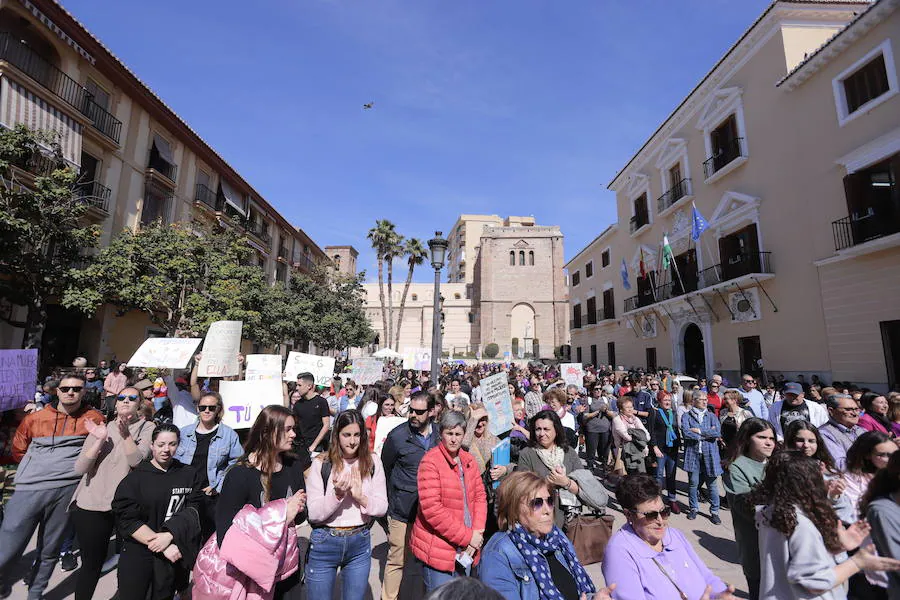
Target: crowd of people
<point>134,470</point>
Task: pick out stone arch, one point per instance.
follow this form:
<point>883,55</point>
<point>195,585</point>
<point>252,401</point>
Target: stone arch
<point>521,322</point>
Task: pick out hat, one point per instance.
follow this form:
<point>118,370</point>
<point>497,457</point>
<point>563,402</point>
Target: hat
<point>143,384</point>
<point>792,388</point>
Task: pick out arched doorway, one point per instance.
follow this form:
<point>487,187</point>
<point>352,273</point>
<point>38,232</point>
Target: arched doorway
<point>694,351</point>
<point>521,327</point>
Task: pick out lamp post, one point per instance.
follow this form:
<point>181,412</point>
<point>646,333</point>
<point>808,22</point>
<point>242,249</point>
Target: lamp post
<point>438,248</point>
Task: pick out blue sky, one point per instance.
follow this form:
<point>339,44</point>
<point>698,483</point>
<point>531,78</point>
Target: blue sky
<point>523,107</point>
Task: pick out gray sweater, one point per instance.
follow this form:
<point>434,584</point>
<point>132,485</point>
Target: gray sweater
<point>884,517</point>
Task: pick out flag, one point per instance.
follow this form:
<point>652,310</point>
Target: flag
<point>643,270</point>
<point>698,223</point>
<point>667,256</point>
<point>625,283</point>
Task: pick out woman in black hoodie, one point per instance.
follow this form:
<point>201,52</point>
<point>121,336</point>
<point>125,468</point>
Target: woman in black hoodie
<point>156,507</point>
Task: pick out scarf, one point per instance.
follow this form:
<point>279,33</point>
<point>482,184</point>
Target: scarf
<point>670,431</point>
<point>533,550</point>
<point>552,458</point>
<point>698,414</point>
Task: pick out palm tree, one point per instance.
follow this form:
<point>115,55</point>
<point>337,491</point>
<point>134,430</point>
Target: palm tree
<point>379,236</point>
<point>393,248</point>
<point>415,255</point>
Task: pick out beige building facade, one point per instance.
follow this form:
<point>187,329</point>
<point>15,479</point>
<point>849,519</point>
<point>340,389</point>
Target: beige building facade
<point>790,149</point>
<point>139,161</point>
<point>506,286</point>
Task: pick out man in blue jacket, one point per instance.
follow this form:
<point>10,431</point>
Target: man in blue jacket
<point>402,452</point>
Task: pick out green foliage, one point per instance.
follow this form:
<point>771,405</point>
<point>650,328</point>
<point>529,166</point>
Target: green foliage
<point>330,309</point>
<point>491,350</point>
<point>43,226</point>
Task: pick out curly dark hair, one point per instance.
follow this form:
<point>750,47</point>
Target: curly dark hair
<point>822,454</point>
<point>885,483</point>
<point>792,482</point>
<point>859,453</point>
<point>637,488</point>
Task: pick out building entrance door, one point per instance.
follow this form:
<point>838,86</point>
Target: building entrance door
<point>890,338</point>
<point>750,351</point>
<point>694,352</point>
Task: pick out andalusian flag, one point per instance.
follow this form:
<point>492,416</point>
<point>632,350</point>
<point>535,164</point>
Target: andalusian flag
<point>667,256</point>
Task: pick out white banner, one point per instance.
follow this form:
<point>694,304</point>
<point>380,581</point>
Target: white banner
<point>384,427</point>
<point>322,367</point>
<point>165,353</point>
<point>220,350</point>
<point>244,400</point>
<point>572,373</point>
<point>367,370</point>
<point>497,402</point>
<point>263,366</point>
<point>417,359</point>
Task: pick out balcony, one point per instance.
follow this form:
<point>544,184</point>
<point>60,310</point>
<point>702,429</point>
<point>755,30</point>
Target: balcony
<point>203,196</point>
<point>575,323</point>
<point>158,165</point>
<point>260,231</point>
<point>304,262</point>
<point>59,84</point>
<point>680,190</point>
<point>849,232</point>
<point>95,194</point>
<point>283,253</point>
<point>639,220</point>
<point>724,156</point>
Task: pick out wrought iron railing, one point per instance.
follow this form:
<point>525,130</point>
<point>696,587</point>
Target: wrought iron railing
<point>206,196</point>
<point>849,232</point>
<point>722,156</point>
<point>640,219</point>
<point>674,194</point>
<point>94,193</point>
<point>259,230</point>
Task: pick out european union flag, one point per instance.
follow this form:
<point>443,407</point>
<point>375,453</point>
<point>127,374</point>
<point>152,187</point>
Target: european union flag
<point>625,283</point>
<point>698,223</point>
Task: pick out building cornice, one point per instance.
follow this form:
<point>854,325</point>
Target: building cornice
<point>600,238</point>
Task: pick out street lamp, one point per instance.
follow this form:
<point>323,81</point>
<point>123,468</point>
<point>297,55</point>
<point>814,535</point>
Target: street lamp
<point>438,248</point>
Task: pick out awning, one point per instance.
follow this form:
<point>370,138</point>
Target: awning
<point>164,149</point>
<point>232,197</point>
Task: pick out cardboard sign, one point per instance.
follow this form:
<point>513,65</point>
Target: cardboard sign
<point>220,350</point>
<point>165,353</point>
<point>500,457</point>
<point>18,378</point>
<point>384,427</point>
<point>367,370</point>
<point>572,373</point>
<point>497,402</point>
<point>244,400</point>
<point>417,359</point>
<point>263,366</point>
<point>322,367</point>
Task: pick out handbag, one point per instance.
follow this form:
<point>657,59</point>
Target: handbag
<point>589,534</point>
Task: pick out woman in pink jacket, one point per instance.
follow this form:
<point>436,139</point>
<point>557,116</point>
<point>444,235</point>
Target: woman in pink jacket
<point>347,490</point>
<point>449,528</point>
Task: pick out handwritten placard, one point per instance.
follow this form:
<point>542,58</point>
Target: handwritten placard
<point>384,427</point>
<point>322,367</point>
<point>367,370</point>
<point>572,373</point>
<point>497,402</point>
<point>220,350</point>
<point>244,400</point>
<point>263,366</point>
<point>165,353</point>
<point>418,359</point>
<point>18,377</point>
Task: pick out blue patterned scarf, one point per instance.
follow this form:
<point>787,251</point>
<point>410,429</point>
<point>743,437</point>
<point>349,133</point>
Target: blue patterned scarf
<point>667,417</point>
<point>533,550</point>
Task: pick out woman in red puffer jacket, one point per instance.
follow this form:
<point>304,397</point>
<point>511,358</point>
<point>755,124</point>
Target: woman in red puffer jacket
<point>449,529</point>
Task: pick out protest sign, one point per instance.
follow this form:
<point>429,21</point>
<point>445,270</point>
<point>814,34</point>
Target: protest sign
<point>220,350</point>
<point>572,373</point>
<point>417,359</point>
<point>367,370</point>
<point>18,376</point>
<point>322,367</point>
<point>497,402</point>
<point>384,427</point>
<point>244,400</point>
<point>500,457</point>
<point>165,353</point>
<point>263,366</point>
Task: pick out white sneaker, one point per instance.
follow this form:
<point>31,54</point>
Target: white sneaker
<point>111,563</point>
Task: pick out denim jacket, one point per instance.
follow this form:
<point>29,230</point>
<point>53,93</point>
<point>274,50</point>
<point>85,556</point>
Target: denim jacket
<point>504,569</point>
<point>224,450</point>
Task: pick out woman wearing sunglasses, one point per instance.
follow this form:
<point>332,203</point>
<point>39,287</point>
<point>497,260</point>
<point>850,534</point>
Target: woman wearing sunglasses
<point>648,560</point>
<point>531,558</point>
<point>109,453</point>
<point>210,447</point>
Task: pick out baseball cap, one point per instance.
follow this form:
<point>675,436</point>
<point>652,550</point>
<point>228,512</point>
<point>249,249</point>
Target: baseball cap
<point>793,388</point>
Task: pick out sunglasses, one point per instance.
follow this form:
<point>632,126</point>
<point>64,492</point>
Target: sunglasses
<point>749,381</point>
<point>70,388</point>
<point>418,411</point>
<point>207,407</point>
<point>654,514</point>
<point>538,503</point>
<point>128,398</point>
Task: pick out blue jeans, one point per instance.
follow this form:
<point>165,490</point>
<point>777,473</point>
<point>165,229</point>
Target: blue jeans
<point>353,554</point>
<point>434,578</point>
<point>665,471</point>
<point>695,477</point>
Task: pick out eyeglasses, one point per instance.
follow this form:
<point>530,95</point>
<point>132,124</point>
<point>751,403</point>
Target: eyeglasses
<point>654,514</point>
<point>70,388</point>
<point>538,503</point>
<point>207,407</point>
<point>128,398</point>
<point>848,410</point>
<point>750,381</point>
<point>418,411</point>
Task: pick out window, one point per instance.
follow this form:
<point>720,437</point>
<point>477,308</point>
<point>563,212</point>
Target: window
<point>512,258</point>
<point>865,84</point>
<point>471,317</point>
<point>576,278</point>
<point>725,144</point>
<point>651,359</point>
<point>604,259</point>
<point>99,95</point>
<point>576,316</point>
<point>873,197</point>
<point>739,253</point>
<point>594,354</point>
<point>162,159</point>
<point>641,214</point>
<point>521,258</point>
<point>609,308</point>
<point>591,311</point>
<point>611,353</point>
<point>589,270</point>
<point>415,297</point>
<point>531,258</point>
<point>578,354</point>
<point>457,296</point>
<point>156,203</point>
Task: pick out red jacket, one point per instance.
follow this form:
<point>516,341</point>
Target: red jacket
<point>439,529</point>
<point>371,426</point>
